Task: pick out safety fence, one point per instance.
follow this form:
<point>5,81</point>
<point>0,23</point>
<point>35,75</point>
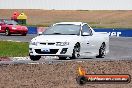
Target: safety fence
<point>119,32</point>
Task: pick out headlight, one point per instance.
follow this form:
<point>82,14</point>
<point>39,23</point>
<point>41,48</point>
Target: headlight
<point>33,43</point>
<point>25,28</point>
<point>14,28</point>
<point>62,43</point>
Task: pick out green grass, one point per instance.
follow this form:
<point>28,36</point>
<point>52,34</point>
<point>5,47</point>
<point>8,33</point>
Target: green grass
<point>13,49</point>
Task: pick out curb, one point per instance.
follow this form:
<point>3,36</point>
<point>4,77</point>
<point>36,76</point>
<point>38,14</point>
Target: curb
<point>19,58</point>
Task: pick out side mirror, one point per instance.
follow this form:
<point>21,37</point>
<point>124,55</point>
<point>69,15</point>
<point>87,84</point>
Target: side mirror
<point>85,34</point>
<point>40,33</point>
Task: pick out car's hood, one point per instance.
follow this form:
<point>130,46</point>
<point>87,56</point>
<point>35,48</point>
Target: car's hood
<point>22,27</point>
<point>55,38</point>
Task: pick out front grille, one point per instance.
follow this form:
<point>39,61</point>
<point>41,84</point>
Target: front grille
<point>47,43</point>
<point>43,43</point>
<point>52,51</point>
<point>51,43</point>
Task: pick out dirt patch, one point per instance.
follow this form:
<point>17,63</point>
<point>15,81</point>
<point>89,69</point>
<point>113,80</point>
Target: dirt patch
<point>5,59</point>
<point>99,18</point>
<point>60,75</point>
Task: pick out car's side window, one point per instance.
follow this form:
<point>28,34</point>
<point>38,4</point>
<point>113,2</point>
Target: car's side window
<point>0,21</point>
<point>90,31</point>
<point>85,28</point>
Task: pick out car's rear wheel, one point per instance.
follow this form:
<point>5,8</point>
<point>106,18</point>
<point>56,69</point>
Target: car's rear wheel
<point>7,32</point>
<point>76,51</point>
<point>35,58</point>
<point>102,50</point>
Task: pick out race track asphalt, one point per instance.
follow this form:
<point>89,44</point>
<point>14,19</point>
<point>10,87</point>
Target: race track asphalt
<point>120,49</point>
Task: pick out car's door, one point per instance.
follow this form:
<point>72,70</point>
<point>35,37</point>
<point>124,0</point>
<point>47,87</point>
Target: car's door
<point>88,41</point>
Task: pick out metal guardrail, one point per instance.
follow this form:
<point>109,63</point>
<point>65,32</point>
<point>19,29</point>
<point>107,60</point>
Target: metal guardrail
<point>119,32</point>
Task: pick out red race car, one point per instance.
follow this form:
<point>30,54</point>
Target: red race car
<point>12,27</point>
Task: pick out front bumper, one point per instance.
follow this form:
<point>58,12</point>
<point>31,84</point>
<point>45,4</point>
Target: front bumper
<point>63,51</point>
<point>18,31</point>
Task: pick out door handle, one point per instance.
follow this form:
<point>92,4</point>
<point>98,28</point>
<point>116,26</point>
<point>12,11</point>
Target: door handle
<point>87,42</point>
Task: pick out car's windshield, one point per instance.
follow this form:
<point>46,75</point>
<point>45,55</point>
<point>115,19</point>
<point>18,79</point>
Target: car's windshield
<point>11,22</point>
<point>63,29</point>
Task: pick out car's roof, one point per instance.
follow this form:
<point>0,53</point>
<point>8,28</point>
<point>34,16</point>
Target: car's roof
<point>75,23</point>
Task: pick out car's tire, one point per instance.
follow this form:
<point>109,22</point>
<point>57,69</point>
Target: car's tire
<point>81,80</point>
<point>62,58</point>
<point>76,51</point>
<point>102,50</point>
<point>7,32</point>
<point>35,58</point>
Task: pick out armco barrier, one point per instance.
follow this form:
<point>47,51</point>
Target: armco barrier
<point>35,30</point>
<point>119,32</point>
<point>32,30</point>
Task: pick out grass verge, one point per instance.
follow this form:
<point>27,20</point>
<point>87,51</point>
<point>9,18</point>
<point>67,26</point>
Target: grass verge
<point>13,49</point>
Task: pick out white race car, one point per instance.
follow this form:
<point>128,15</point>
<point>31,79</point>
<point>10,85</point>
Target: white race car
<point>69,39</point>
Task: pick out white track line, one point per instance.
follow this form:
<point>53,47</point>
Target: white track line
<point>19,58</point>
<point>11,41</point>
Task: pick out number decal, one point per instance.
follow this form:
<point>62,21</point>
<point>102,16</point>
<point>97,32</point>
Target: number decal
<point>0,27</point>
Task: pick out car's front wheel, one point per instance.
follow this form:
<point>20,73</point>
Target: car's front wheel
<point>35,58</point>
<point>76,51</point>
<point>102,50</point>
<point>7,32</point>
